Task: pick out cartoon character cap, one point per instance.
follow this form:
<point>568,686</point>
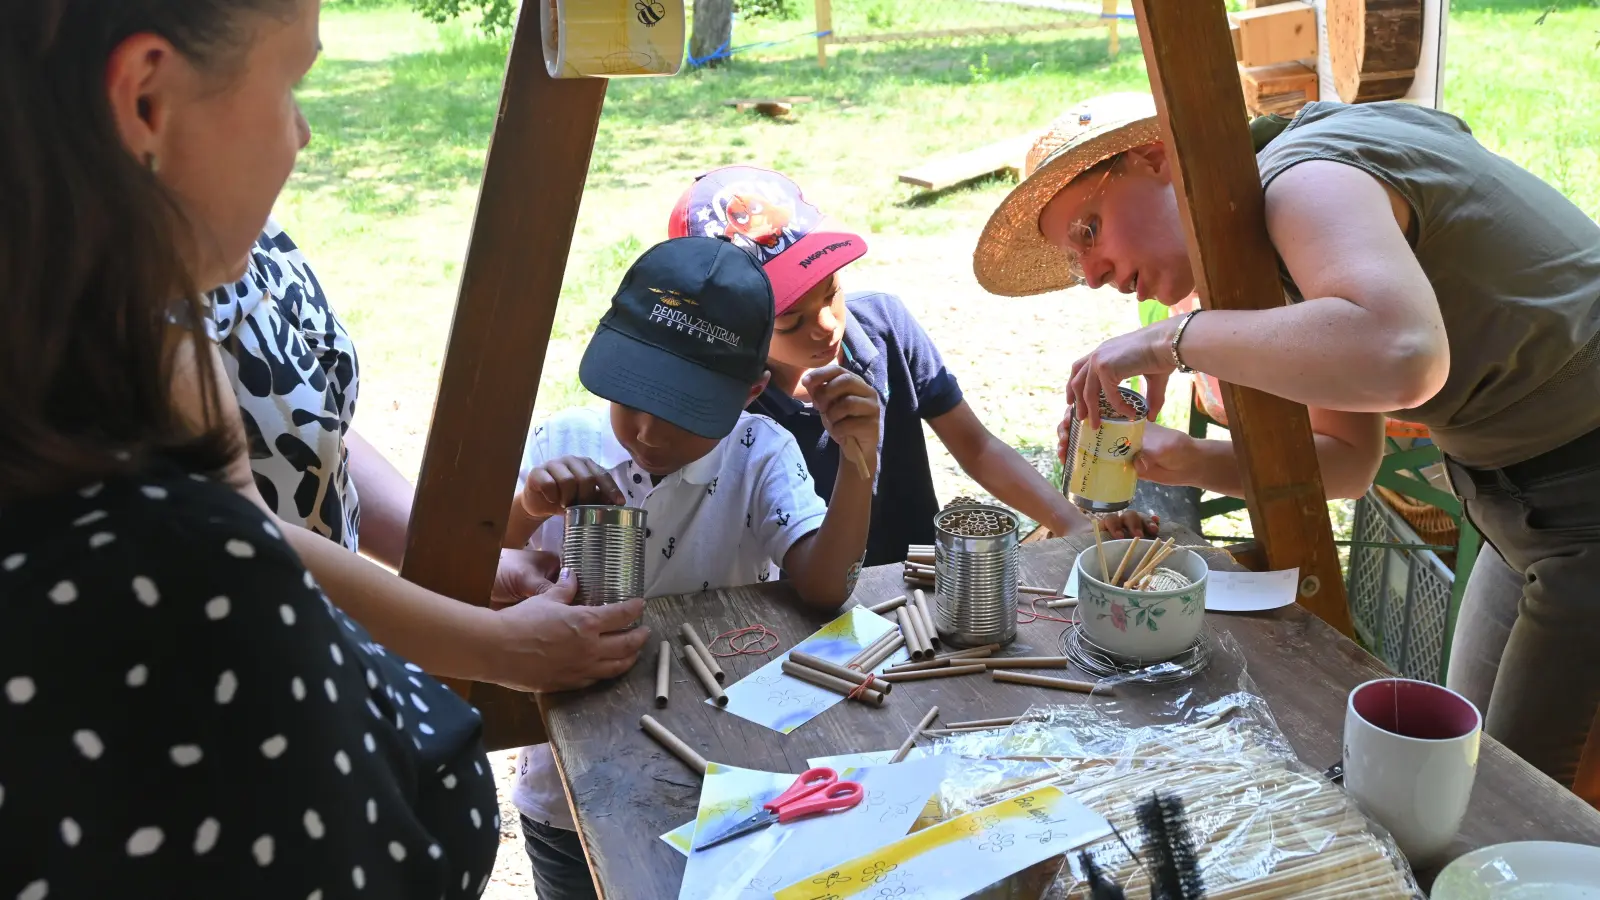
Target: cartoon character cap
<point>765,214</point>
<point>686,336</point>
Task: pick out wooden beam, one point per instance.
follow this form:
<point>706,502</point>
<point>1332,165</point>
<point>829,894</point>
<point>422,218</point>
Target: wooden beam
<point>521,233</point>
<point>1189,56</point>
<point>824,10</point>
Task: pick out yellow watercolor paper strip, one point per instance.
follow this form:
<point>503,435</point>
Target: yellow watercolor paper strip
<point>998,828</point>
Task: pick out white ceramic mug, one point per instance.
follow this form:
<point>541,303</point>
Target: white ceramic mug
<point>1410,756</point>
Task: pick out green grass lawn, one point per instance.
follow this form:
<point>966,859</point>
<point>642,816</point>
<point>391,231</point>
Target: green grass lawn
<point>402,111</point>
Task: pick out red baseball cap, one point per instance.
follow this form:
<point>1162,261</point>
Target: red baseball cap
<point>764,213</point>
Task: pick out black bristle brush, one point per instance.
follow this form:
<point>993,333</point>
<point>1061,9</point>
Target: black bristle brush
<point>1101,887</point>
<point>1169,849</point>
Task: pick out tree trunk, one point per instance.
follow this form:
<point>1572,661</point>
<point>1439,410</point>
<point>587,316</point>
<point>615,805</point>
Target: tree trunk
<point>713,29</point>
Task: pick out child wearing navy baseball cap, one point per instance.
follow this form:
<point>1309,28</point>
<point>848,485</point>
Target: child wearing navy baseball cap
<point>679,355</point>
<point>871,334</point>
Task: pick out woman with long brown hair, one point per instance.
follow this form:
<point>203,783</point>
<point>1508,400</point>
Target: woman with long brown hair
<point>184,712</point>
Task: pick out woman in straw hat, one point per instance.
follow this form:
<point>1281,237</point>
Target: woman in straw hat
<point>1427,278</point>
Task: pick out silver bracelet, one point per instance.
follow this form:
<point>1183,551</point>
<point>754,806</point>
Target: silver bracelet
<point>1177,361</point>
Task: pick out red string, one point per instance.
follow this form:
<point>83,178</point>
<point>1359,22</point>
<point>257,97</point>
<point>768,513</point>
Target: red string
<point>1036,615</point>
<point>755,636</point>
<point>863,687</point>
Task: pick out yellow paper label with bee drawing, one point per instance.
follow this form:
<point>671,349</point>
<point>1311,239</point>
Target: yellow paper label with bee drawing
<point>612,38</point>
<point>1102,467</point>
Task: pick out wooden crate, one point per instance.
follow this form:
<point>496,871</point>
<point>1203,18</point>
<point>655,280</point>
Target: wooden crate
<point>1280,88</point>
<point>1274,34</point>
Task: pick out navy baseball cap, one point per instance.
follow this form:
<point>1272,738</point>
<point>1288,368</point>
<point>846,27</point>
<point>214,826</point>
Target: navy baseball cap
<point>686,335</point>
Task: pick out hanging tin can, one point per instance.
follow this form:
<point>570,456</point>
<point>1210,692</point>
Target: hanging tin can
<point>1099,474</point>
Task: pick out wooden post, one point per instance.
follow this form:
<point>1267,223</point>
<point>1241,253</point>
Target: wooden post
<point>1109,8</point>
<point>1189,55</point>
<point>521,233</point>
<point>824,10</point>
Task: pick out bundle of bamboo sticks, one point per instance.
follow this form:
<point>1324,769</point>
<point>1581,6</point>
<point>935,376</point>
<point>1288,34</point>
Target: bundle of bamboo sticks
<point>1140,576</point>
<point>1264,828</point>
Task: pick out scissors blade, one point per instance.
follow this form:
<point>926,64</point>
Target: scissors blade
<point>755,823</point>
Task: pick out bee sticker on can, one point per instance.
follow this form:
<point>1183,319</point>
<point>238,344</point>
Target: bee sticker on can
<point>1099,474</point>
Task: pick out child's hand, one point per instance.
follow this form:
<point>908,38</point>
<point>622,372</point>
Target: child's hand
<point>849,410</point>
<point>568,481</point>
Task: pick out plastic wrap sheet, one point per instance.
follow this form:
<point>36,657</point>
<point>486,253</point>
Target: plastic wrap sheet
<point>1264,825</point>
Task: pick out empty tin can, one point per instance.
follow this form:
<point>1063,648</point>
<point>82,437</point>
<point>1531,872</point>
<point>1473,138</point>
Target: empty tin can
<point>977,561</point>
<point>1099,474</point>
<point>604,546</point>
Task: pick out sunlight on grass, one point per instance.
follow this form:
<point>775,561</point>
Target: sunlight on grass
<point>402,111</point>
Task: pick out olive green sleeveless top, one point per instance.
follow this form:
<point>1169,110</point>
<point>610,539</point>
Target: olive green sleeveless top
<point>1514,264</point>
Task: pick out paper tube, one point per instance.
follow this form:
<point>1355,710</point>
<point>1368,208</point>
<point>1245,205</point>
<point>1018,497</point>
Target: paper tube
<point>693,637</point>
<point>713,690</point>
<point>834,669</point>
<point>830,683</point>
<point>910,624</point>
<point>663,657</point>
<point>612,38</point>
<point>1044,681</point>
<point>1001,722</point>
<point>888,605</point>
<point>1028,662</point>
<point>943,672</point>
<point>871,649</point>
<point>905,748</point>
<point>673,743</point>
<point>926,623</point>
<point>896,641</point>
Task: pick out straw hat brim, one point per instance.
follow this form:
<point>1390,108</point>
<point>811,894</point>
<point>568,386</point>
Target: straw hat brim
<point>1012,258</point>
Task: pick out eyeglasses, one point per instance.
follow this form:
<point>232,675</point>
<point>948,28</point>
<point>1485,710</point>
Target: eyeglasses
<point>1082,232</point>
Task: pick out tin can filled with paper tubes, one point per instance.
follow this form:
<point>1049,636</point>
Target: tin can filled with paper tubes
<point>977,563</point>
<point>1098,474</point>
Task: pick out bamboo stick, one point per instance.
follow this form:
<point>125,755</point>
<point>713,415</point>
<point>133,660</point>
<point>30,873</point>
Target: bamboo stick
<point>952,732</point>
<point>830,683</point>
<point>1148,564</point>
<point>858,456</point>
<point>897,640</point>
<point>1100,551</point>
<point>910,625</point>
<point>1027,662</point>
<point>1143,582</point>
<point>692,661</point>
<point>929,630</point>
<point>905,748</point>
<point>673,743</point>
<point>834,669</point>
<point>1060,684</point>
<point>663,660</point>
<point>944,672</point>
<point>888,605</point>
<point>1154,544</point>
<point>1001,722</point>
<point>693,637</point>
<point>1126,554</point>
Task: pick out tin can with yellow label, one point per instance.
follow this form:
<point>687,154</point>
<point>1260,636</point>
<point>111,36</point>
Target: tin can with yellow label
<point>1099,473</point>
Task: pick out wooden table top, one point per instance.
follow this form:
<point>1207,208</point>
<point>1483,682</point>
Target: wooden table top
<point>627,790</point>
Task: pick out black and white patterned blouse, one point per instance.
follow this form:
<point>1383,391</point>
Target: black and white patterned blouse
<point>183,714</point>
<point>295,373</point>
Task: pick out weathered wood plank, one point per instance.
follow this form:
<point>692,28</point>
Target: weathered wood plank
<point>527,208</point>
<point>1374,47</point>
<point>948,171</point>
<point>627,790</point>
<point>1196,83</point>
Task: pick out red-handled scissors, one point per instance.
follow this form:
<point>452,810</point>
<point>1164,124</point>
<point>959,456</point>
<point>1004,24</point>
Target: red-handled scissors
<point>816,791</point>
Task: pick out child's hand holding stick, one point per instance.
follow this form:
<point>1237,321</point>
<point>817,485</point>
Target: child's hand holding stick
<point>849,408</point>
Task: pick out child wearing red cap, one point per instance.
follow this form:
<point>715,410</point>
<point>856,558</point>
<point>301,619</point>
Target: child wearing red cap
<point>873,335</point>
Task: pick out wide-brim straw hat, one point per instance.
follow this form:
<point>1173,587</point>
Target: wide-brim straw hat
<point>1012,258</point>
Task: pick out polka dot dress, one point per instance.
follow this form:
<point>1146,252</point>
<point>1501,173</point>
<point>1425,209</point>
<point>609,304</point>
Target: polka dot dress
<point>183,714</point>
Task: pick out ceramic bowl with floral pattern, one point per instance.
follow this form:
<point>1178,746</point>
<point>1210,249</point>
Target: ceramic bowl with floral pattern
<point>1146,625</point>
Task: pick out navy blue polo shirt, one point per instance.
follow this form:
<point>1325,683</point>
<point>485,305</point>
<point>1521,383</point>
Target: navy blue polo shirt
<point>890,351</point>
